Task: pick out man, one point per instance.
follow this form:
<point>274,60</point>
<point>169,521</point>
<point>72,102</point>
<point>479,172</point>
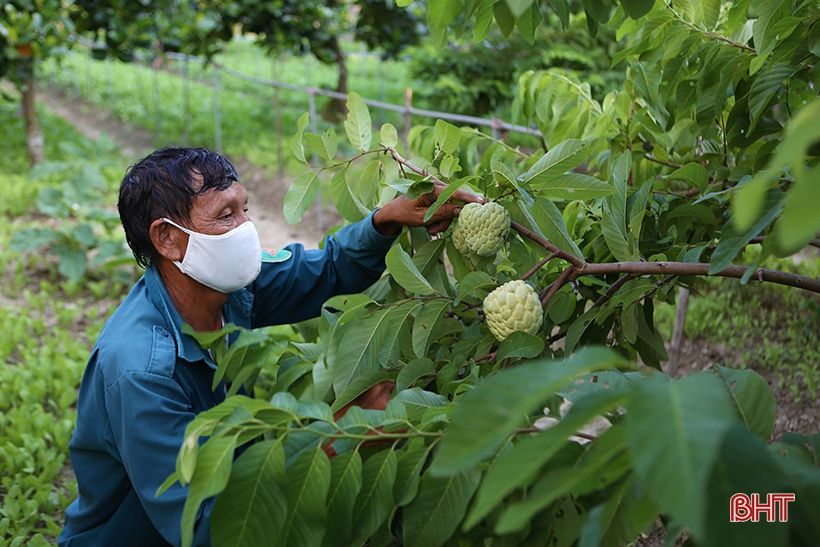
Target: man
<point>185,216</point>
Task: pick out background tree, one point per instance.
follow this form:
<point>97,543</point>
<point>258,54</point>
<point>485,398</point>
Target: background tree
<point>318,27</point>
<point>29,32</point>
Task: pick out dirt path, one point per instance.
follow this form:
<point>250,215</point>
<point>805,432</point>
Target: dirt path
<point>266,192</point>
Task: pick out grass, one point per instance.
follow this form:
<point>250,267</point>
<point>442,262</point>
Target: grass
<point>767,327</point>
<point>48,327</point>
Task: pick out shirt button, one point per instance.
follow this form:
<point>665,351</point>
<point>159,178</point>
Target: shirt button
<point>162,332</point>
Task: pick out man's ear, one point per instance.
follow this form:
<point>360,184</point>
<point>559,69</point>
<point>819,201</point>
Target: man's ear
<point>169,241</point>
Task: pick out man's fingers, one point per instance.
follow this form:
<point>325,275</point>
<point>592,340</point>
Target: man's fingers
<point>438,227</point>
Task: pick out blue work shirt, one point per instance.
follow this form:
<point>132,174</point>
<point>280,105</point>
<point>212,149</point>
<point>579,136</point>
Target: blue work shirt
<point>145,380</point>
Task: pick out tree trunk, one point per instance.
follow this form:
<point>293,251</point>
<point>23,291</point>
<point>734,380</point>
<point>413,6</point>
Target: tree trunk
<point>34,136</point>
<point>335,109</point>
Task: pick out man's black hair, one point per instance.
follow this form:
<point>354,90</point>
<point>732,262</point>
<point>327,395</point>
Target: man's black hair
<point>163,185</point>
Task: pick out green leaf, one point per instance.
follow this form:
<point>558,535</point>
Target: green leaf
<point>376,497</point>
<point>442,198</point>
<point>519,465</point>
<point>620,518</point>
<point>483,20</point>
<point>471,283</point>
<point>528,23</point>
<point>613,222</point>
<point>504,18</point>
<point>555,163</point>
<point>440,13</point>
<point>675,429</point>
<point>300,196</point>
<point>358,385</point>
<point>330,142</point>
<point>73,262</point>
<point>764,88</point>
<point>693,173</point>
<point>253,507</point>
<point>426,324</point>
<point>388,136</point>
<point>752,398</point>
<point>308,482</point>
<point>575,186</point>
<point>520,344</point>
<point>488,414</point>
<point>801,133</point>
<point>439,507</point>
<point>800,222</point>
<point>358,125</point>
<point>296,144</point>
<point>731,243</point>
<point>637,8</point>
<point>743,464</point>
<point>358,351</point>
<point>517,7</point>
<point>31,239</point>
<point>545,218</point>
<point>210,477</point>
<point>345,484</point>
<point>405,272</point>
<point>345,199</point>
<point>447,136</point>
<point>417,401</point>
<point>412,371</point>
<point>707,12</point>
<point>408,471</point>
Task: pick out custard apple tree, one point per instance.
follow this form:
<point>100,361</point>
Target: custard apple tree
<point>532,317</point>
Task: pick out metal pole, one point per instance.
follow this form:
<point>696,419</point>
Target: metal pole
<point>677,333</point>
<point>314,128</point>
<point>185,100</point>
<point>217,112</point>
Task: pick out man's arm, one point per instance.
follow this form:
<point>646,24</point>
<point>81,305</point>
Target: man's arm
<point>351,261</point>
<point>294,290</point>
<point>148,415</point>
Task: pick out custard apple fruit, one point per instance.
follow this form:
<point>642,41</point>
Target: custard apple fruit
<point>482,228</point>
<point>513,306</point>
<point>459,240</point>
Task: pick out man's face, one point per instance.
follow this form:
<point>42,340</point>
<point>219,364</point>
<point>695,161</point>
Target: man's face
<point>218,211</point>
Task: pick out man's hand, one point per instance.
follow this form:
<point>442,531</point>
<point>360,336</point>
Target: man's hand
<point>404,211</point>
<point>375,398</point>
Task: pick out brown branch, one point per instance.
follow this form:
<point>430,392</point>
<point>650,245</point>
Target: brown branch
<point>556,285</point>
<point>695,268</point>
<point>613,289</point>
<point>537,267</point>
<point>526,232</point>
<point>667,163</point>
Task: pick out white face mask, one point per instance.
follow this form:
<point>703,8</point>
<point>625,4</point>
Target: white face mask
<point>225,262</point>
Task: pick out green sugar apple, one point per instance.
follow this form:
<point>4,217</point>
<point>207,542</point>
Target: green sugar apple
<point>481,228</point>
<point>459,240</point>
<point>513,306</point>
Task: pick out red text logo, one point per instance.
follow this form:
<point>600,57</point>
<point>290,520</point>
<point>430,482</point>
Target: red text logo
<point>744,508</point>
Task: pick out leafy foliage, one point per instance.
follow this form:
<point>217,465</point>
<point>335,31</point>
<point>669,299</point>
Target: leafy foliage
<point>464,424</point>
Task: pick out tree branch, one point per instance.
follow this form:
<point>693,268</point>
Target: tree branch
<point>537,267</point>
<point>556,285</point>
<point>698,268</point>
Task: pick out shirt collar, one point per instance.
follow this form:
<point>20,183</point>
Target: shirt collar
<point>237,310</point>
